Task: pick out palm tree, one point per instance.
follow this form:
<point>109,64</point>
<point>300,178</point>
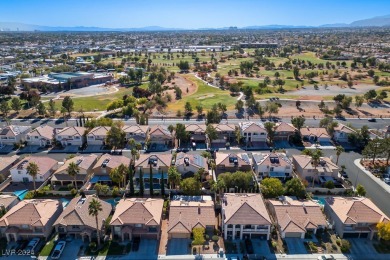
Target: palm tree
<point>93,210</point>
<point>315,160</point>
<point>174,177</point>
<point>339,151</point>
<point>116,176</point>
<point>33,170</point>
<point>73,169</point>
<point>122,169</point>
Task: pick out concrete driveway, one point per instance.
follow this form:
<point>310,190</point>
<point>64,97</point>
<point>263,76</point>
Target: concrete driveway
<point>361,246</point>
<point>147,250</point>
<point>71,249</point>
<point>6,149</point>
<point>260,247</point>
<point>295,246</point>
<point>282,144</point>
<point>178,246</point>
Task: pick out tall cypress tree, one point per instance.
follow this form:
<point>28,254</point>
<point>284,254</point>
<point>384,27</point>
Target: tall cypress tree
<point>151,179</point>
<point>162,184</point>
<point>141,183</point>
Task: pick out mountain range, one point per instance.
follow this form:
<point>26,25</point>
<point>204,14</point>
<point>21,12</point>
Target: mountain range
<point>379,21</point>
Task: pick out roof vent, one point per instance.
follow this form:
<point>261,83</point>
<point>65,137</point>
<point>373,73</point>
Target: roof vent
<point>187,161</point>
<point>79,161</point>
<point>105,162</point>
<point>21,166</point>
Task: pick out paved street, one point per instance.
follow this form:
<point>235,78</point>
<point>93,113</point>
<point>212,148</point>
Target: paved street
<point>355,122</point>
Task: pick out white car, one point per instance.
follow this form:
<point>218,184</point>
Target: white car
<point>32,244</point>
<point>58,250</point>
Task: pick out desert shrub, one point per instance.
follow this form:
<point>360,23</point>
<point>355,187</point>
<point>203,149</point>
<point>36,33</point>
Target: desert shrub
<point>345,246</point>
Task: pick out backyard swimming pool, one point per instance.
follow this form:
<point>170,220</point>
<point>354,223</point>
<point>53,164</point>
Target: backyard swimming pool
<point>320,200</point>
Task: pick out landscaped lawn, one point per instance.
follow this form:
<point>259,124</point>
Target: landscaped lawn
<point>48,248</point>
<point>382,247</point>
<point>205,95</point>
<point>98,102</point>
<point>108,248</point>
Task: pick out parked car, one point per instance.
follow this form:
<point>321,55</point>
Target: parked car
<point>372,120</point>
<point>58,250</point>
<point>326,257</point>
<point>32,244</point>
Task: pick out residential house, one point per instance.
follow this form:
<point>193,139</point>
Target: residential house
<point>159,138</point>
<point>225,134</point>
<point>105,164</point>
<point>245,216</point>
<point>315,134</point>
<point>283,131</point>
<point>197,133</point>
<point>30,218</point>
<point>75,220</point>
<point>354,216</point>
<point>294,218</point>
<point>137,217</point>
<point>41,136</point>
<point>6,163</point>
<point>85,163</point>
<point>341,133</point>
<point>45,164</point>
<point>13,134</point>
<point>275,165</point>
<point>137,132</point>
<point>73,135</point>
<point>7,202</point>
<point>253,133</point>
<point>188,164</point>
<point>325,171</point>
<point>159,163</point>
<point>98,135</point>
<point>231,162</point>
<point>184,215</point>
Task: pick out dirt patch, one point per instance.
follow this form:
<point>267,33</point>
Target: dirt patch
<point>333,90</point>
<point>310,108</point>
<point>206,96</point>
<point>187,87</point>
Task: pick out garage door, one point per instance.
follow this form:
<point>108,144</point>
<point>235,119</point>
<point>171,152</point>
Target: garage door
<point>258,236</point>
<point>350,235</point>
<point>293,234</point>
<point>180,235</point>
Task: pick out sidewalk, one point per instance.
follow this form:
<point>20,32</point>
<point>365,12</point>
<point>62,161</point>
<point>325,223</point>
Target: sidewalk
<point>377,180</point>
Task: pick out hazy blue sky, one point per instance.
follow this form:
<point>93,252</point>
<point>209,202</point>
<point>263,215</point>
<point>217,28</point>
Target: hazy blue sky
<point>188,13</point>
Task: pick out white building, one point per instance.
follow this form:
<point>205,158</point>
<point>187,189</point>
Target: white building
<point>45,164</point>
<point>275,165</point>
<point>13,134</point>
<point>71,136</point>
<point>41,136</point>
<point>245,216</point>
<point>253,132</point>
<point>98,135</point>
